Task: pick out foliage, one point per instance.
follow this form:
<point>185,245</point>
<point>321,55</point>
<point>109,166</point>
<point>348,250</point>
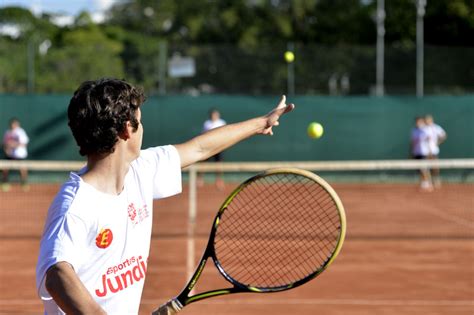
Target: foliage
<point>238,43</point>
<point>86,52</point>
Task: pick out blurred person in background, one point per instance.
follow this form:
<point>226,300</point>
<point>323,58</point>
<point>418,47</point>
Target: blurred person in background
<point>214,121</point>
<point>420,151</point>
<point>436,136</point>
<point>15,141</point>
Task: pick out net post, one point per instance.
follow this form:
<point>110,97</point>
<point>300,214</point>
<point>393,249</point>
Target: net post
<point>192,194</point>
<point>190,244</point>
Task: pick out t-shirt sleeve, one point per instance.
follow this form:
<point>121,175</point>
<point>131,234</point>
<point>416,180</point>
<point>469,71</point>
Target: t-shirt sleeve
<point>62,241</point>
<point>163,164</point>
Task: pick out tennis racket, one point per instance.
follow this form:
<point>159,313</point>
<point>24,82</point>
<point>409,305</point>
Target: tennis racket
<point>275,232</point>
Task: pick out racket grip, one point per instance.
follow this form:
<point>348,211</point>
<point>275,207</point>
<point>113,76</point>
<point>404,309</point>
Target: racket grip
<point>171,307</point>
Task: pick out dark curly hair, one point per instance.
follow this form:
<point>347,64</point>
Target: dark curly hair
<point>98,113</point>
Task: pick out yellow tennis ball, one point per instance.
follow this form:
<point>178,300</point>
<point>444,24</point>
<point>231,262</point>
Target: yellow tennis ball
<point>315,130</point>
<point>289,56</point>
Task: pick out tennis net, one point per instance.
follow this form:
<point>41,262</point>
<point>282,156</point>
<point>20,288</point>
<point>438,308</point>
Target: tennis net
<point>382,198</point>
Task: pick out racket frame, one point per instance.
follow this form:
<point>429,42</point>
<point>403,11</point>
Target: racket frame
<point>238,287</point>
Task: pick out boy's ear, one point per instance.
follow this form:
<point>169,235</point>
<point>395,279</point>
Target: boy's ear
<point>127,131</point>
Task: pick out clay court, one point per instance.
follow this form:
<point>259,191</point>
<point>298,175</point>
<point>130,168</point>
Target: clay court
<point>406,252</point>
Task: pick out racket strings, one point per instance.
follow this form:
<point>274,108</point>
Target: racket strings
<point>273,270</point>
<point>277,230</point>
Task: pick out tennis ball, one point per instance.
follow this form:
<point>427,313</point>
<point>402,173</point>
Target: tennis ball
<point>315,130</point>
<point>289,56</point>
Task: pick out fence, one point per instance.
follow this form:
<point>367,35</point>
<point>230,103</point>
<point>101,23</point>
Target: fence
<point>230,69</point>
<point>355,128</point>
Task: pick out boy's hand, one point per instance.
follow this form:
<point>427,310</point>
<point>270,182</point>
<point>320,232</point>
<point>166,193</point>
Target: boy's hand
<point>273,116</point>
<point>171,307</point>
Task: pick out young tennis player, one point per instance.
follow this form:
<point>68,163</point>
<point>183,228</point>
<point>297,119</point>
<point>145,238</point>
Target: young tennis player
<point>420,151</point>
<point>95,245</point>
<point>436,136</point>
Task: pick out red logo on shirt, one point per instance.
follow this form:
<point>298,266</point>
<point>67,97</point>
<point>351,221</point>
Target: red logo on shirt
<point>132,212</point>
<point>104,238</point>
<point>122,276</point>
<point>137,214</point>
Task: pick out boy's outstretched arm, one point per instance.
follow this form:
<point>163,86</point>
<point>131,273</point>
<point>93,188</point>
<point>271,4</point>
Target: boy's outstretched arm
<point>219,139</point>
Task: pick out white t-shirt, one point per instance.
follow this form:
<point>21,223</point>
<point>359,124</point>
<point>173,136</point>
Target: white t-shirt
<point>435,133</point>
<point>106,238</point>
<point>211,124</point>
<point>419,139</point>
<point>18,135</point>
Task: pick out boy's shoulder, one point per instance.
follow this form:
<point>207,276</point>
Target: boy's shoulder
<point>66,195</point>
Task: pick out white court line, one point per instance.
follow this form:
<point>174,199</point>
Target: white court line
<point>286,301</point>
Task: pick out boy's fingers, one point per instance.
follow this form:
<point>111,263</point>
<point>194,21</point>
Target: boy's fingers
<point>282,102</point>
<point>289,108</point>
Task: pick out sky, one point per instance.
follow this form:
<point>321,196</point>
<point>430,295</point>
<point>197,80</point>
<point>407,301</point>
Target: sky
<point>60,6</point>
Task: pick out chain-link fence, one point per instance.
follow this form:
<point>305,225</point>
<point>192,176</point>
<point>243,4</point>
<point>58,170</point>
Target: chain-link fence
<point>324,70</point>
<point>230,69</point>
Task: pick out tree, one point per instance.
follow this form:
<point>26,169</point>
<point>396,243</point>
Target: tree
<point>450,23</point>
<point>14,50</point>
<point>233,41</point>
<point>80,53</point>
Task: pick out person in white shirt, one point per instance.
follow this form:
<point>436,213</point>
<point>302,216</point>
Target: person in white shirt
<point>436,136</point>
<point>15,142</point>
<point>96,241</point>
<point>420,151</point>
<point>214,121</point>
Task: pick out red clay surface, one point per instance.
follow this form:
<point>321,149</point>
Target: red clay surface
<point>406,252</point>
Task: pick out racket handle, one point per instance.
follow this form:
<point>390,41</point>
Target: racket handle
<point>171,307</point>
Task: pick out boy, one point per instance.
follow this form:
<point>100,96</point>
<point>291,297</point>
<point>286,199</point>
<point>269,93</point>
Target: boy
<point>96,241</point>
